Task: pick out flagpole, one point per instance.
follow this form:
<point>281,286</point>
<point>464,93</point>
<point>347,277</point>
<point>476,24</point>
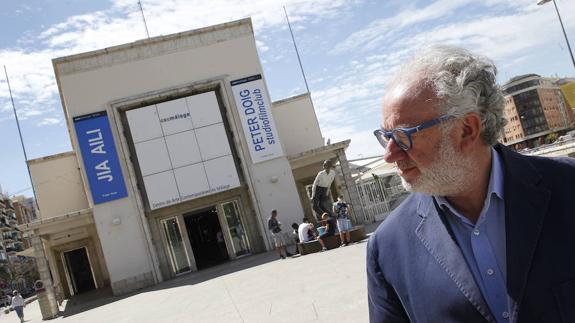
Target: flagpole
<point>143,18</point>
<point>296,51</point>
<point>20,134</point>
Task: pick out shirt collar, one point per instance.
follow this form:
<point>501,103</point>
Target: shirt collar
<point>495,186</point>
<point>496,179</point>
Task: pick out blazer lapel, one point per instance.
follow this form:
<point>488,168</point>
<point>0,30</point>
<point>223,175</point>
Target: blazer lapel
<point>438,241</point>
<point>526,204</point>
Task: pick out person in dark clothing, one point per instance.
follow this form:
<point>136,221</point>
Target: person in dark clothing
<point>277,235</point>
<point>329,230</point>
<point>295,236</point>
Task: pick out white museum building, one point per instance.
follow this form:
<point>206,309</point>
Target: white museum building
<point>178,158</point>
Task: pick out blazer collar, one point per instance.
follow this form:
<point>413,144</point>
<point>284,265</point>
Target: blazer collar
<point>526,204</point>
<point>434,235</point>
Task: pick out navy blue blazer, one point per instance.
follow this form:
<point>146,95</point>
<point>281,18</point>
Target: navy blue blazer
<point>416,272</point>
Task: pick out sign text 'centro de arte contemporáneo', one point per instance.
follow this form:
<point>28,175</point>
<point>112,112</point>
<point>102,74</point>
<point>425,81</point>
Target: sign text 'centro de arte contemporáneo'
<point>255,112</point>
<point>100,157</point>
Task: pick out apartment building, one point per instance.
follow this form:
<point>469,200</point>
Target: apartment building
<point>16,271</point>
<point>534,108</point>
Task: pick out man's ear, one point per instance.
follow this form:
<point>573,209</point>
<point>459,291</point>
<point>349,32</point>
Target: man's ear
<point>470,130</point>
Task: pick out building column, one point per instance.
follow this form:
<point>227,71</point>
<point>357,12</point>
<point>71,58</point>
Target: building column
<point>357,207</point>
<point>46,298</point>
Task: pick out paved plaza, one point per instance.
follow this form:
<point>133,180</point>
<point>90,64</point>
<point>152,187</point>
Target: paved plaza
<point>322,287</point>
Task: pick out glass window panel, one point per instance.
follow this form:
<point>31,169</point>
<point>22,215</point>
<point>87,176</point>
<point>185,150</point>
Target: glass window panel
<point>153,156</point>
<point>144,123</point>
<point>213,141</point>
<point>236,228</point>
<point>176,251</point>
<point>161,189</point>
<point>205,109</point>
<point>183,149</point>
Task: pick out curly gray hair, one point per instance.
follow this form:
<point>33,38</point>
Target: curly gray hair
<point>464,81</point>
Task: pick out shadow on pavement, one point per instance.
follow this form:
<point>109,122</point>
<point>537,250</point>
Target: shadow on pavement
<point>100,297</point>
<point>103,296</point>
<point>87,301</point>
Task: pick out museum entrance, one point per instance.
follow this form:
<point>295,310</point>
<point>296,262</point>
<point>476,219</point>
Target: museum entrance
<point>206,237</point>
<point>79,270</point>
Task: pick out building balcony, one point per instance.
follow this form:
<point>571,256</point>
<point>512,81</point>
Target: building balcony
<point>8,204</point>
<point>13,249</point>
<point>12,235</point>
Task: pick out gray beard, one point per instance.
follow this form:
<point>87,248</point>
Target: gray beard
<point>451,173</point>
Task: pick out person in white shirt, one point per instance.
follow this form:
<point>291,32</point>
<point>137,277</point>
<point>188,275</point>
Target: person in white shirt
<point>18,305</point>
<point>320,190</point>
<point>305,231</point>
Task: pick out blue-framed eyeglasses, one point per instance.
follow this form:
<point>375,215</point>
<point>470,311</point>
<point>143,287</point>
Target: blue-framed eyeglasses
<point>402,136</point>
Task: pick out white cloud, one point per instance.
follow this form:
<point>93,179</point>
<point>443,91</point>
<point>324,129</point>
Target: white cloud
<point>380,32</point>
<point>50,122</point>
<point>352,97</point>
<point>31,72</point>
<point>346,94</point>
<point>262,46</point>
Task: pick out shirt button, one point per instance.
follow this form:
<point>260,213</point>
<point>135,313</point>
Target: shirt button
<point>505,315</point>
<point>476,232</point>
<point>490,271</point>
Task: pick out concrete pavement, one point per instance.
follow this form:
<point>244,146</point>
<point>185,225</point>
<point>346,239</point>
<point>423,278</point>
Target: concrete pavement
<point>321,287</point>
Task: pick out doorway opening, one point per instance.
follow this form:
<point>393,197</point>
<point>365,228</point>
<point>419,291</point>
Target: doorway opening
<point>206,238</point>
<point>79,270</point>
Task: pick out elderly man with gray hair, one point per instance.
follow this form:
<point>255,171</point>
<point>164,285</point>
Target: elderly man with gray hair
<point>488,234</point>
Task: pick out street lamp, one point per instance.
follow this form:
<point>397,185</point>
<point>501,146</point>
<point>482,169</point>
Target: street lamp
<point>542,2</point>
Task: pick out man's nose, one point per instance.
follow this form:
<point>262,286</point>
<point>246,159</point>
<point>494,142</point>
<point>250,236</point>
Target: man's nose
<point>393,152</point>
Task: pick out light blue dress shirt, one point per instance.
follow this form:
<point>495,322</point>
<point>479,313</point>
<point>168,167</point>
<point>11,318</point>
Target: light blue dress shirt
<point>483,243</point>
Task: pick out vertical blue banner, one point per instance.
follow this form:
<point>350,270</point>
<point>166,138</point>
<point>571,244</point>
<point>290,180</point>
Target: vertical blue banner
<point>100,157</point>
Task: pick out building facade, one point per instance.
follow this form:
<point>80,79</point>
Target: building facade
<point>535,108</point>
<point>16,271</point>
<point>380,188</point>
<point>179,157</point>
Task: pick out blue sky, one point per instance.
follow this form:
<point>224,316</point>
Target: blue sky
<point>349,48</point>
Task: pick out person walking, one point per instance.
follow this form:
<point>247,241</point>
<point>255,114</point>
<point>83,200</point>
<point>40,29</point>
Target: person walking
<point>277,235</point>
<point>18,305</point>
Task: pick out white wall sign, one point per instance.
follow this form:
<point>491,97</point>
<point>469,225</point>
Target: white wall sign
<point>256,116</point>
<point>182,149</point>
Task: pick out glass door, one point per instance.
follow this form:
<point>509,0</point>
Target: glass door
<point>236,229</point>
<point>177,253</point>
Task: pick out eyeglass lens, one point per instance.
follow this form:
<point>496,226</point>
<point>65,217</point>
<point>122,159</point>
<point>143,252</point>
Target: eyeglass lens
<point>401,138</point>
